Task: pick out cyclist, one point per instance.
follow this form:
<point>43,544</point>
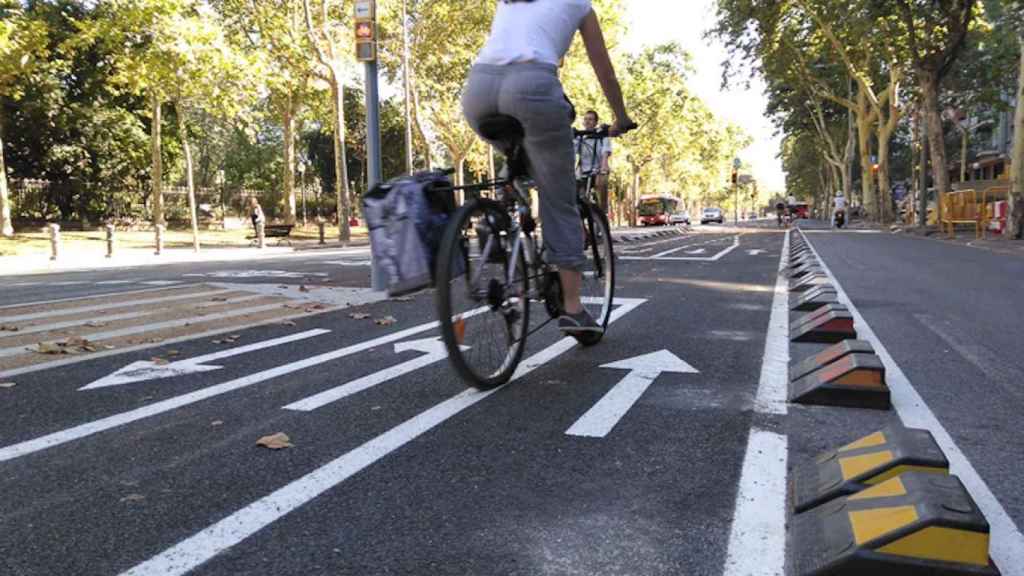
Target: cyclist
<point>593,154</point>
<point>516,74</point>
<point>839,212</point>
<point>780,210</point>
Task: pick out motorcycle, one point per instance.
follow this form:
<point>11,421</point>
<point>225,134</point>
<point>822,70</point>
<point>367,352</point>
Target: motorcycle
<point>839,219</point>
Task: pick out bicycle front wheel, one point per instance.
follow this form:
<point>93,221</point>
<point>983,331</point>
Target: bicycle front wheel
<point>598,288</point>
<point>482,299</point>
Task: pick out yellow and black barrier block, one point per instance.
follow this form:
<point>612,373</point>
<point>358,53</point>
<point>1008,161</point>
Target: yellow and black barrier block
<point>853,381</point>
<point>829,324</point>
<point>863,463</point>
<point>916,524</point>
<point>832,354</point>
<point>809,302</point>
<point>807,282</point>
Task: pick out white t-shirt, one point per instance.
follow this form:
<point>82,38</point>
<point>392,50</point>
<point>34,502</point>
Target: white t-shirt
<point>840,202</point>
<point>538,31</point>
<point>791,200</point>
<point>591,152</point>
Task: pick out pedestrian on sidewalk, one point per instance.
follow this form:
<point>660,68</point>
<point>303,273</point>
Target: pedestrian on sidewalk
<point>256,213</point>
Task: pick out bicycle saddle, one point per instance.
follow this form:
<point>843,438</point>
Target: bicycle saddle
<point>502,128</point>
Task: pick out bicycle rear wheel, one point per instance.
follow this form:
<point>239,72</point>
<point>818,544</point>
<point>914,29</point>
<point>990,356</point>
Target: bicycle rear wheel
<point>598,288</point>
<point>482,299</point>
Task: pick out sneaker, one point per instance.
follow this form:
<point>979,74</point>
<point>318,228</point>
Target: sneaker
<point>578,323</point>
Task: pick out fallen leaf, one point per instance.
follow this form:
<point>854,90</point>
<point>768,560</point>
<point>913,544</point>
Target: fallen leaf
<point>172,352</point>
<point>108,347</point>
<point>402,299</point>
<point>7,384</point>
<point>219,299</point>
<point>287,323</point>
<point>385,321</point>
<point>155,340</point>
<point>293,306</point>
<point>358,316</point>
<point>275,441</point>
<point>48,348</point>
<point>89,348</point>
<point>303,288</point>
<point>7,328</point>
<point>95,324</point>
<point>159,361</point>
<point>216,423</point>
<point>236,336</point>
<point>133,498</point>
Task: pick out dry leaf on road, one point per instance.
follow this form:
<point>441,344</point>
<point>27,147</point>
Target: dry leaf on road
<point>8,328</point>
<point>95,324</point>
<point>219,299</point>
<point>133,498</point>
<point>48,348</point>
<point>216,423</point>
<point>172,352</point>
<point>358,316</point>
<point>287,323</point>
<point>303,288</point>
<point>7,384</point>
<point>385,321</point>
<point>275,441</point>
<point>402,299</point>
<point>159,361</point>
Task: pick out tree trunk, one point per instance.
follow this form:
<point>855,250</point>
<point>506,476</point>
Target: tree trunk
<point>183,135</point>
<point>408,92</point>
<point>963,155</point>
<point>884,191</point>
<point>158,165</point>
<point>289,159</point>
<point>635,196</point>
<point>6,229</point>
<point>340,158</point>
<point>864,145</point>
<point>922,199</point>
<point>936,137</point>
<point>850,152</point>
<point>1015,223</point>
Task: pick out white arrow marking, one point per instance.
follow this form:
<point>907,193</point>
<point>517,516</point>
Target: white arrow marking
<point>643,370</point>
<point>147,370</point>
<point>233,529</point>
<point>756,252</point>
<point>435,351</point>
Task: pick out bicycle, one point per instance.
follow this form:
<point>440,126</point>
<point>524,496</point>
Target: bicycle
<point>490,268</point>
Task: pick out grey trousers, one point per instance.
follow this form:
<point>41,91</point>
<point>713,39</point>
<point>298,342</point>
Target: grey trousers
<point>532,94</point>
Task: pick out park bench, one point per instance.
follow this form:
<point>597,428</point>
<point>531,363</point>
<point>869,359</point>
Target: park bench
<point>279,231</point>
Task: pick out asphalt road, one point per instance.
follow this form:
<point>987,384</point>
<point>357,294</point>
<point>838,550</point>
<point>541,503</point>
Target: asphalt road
<point>405,471</point>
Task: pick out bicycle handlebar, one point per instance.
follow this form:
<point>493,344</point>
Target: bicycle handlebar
<point>604,131</point>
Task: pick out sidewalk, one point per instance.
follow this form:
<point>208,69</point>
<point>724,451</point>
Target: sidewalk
<point>966,237</point>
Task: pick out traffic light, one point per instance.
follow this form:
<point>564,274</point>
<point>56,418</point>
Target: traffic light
<point>735,177</point>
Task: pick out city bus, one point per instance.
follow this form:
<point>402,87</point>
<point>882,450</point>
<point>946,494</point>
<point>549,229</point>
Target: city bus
<point>656,210</point>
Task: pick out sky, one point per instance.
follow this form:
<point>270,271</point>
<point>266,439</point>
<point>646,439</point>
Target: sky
<point>684,21</point>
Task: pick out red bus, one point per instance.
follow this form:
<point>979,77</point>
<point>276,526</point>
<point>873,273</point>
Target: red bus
<point>656,210</point>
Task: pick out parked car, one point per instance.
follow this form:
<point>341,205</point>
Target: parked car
<point>680,218</point>
<point>712,215</point>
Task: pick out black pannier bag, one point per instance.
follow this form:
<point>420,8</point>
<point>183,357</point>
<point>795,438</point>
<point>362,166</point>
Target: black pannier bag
<point>406,217</point>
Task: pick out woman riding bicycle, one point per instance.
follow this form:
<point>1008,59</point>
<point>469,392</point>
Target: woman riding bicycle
<point>516,74</point>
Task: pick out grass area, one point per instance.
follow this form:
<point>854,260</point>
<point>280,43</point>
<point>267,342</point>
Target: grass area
<point>37,242</point>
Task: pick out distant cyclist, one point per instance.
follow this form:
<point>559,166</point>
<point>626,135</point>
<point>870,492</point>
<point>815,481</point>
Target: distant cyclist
<point>516,74</point>
<point>593,154</point>
<point>839,211</point>
<point>780,211</point>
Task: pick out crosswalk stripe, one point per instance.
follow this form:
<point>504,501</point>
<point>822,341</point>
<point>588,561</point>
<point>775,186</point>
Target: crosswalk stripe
<point>125,293</point>
<point>108,305</point>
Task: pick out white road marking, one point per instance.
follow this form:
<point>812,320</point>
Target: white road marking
<point>354,263</point>
<point>1007,543</point>
<point>110,422</point>
<point>435,352</point>
<point>117,282</point>
<point>773,388</point>
<point>609,410</point>
<point>198,549</point>
<point>255,274</point>
<point>107,306</point>
<point>132,330</point>
<point>662,256</point>
<point>148,370</point>
<point>76,298</point>
<point>115,317</point>
<point>163,282</point>
<point>756,252</point>
<point>757,540</point>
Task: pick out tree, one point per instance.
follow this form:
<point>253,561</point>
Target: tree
<point>22,48</point>
<point>327,31</point>
<point>935,32</point>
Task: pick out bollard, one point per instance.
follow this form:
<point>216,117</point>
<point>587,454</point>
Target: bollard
<point>261,235</point>
<point>110,240</point>
<point>323,231</point>
<point>54,241</point>
<point>160,239</point>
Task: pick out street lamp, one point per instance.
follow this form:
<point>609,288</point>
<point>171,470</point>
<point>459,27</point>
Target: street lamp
<point>302,189</point>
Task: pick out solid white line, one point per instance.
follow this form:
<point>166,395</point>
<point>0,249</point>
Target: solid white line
<point>163,282</point>
<point>1007,543</point>
<point>117,282</point>
<point>609,410</point>
<point>757,541</point>
<point>107,306</point>
<point>198,549</point>
<point>15,351</point>
<point>773,388</point>
<point>366,382</point>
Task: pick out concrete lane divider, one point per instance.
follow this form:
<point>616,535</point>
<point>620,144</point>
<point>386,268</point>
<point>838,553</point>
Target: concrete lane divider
<point>916,524</point>
<point>863,463</point>
<point>855,381</point>
<point>808,282</point>
<point>815,298</point>
<point>806,269</point>
<point>829,324</point>
<point>830,355</point>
